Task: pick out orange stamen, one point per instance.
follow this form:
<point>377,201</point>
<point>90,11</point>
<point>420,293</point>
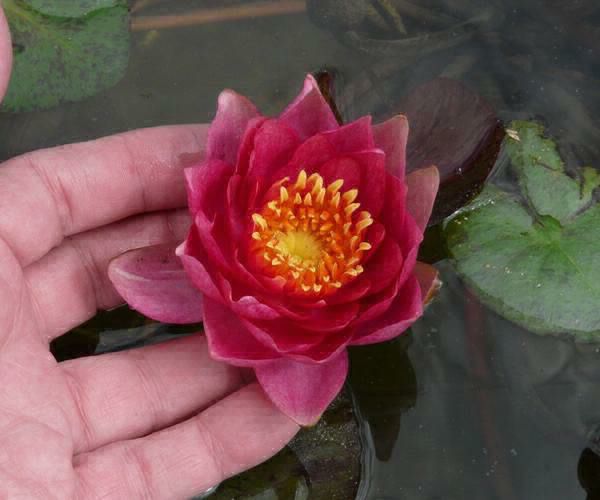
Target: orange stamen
<point>311,235</point>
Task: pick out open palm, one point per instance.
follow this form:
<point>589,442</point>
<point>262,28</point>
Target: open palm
<point>163,421</point>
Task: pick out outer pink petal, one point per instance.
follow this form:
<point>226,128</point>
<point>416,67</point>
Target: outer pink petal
<point>303,391</point>
<point>394,208</point>
<point>352,137</point>
<point>206,186</point>
<point>391,136</point>
<point>383,268</point>
<point>422,187</point>
<point>229,340</point>
<point>198,274</point>
<point>427,276</point>
<point>153,281</point>
<point>371,194</point>
<point>377,304</point>
<point>402,313</point>
<point>227,129</point>
<point>274,145</point>
<point>345,168</point>
<point>247,144</point>
<point>309,156</point>
<point>309,113</point>
<point>309,84</point>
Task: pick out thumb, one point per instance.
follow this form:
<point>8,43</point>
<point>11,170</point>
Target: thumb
<point>5,54</point>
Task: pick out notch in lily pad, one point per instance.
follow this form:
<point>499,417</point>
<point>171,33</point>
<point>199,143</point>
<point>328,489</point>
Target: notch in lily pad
<point>532,255</point>
<point>64,50</point>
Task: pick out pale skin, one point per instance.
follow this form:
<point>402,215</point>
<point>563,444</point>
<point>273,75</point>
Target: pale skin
<point>160,422</point>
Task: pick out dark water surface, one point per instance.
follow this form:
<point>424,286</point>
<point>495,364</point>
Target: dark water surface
<point>467,405</point>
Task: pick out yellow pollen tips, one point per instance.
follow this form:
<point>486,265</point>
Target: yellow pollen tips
<point>321,196</point>
<point>363,224</point>
<point>283,194</point>
<point>309,235</point>
<point>335,186</point>
<point>350,196</point>
<point>260,221</point>
<point>351,208</point>
<point>301,182</point>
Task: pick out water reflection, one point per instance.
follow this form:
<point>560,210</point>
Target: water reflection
<point>384,384</point>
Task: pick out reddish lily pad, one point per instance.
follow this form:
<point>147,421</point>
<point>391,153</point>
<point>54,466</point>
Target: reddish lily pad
<point>456,130</point>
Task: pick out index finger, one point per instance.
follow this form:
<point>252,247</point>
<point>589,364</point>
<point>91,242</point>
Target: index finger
<point>49,194</point>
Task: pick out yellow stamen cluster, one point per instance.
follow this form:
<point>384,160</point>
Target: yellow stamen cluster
<point>311,235</point>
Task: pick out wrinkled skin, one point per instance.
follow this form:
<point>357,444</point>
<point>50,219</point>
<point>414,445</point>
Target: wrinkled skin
<point>295,343</point>
<point>158,422</point>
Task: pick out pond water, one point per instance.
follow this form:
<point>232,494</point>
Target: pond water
<point>467,404</point>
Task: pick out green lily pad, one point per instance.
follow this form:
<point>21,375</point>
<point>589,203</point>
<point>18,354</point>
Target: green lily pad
<point>532,256</point>
<point>64,50</point>
<point>70,8</point>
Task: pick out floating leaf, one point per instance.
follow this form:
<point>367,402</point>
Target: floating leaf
<point>541,174</point>
<point>70,8</point>
<point>69,55</point>
<point>534,258</point>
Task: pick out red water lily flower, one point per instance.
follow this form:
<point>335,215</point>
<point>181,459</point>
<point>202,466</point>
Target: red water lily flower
<point>304,241</point>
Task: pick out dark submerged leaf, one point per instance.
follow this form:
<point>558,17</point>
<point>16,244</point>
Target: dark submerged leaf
<point>321,463</point>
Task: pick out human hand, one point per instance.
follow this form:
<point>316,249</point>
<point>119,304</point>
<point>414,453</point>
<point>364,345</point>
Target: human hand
<point>163,421</point>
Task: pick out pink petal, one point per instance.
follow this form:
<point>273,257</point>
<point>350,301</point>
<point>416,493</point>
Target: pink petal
<point>303,391</point>
<point>375,305</point>
<point>206,185</point>
<point>247,306</point>
<point>227,129</point>
<point>352,137</point>
<point>391,136</point>
<point>371,193</point>
<point>345,168</point>
<point>309,156</point>
<point>422,187</point>
<point>208,242</point>
<point>197,272</point>
<point>229,340</point>
<point>403,312</point>
<point>153,281</point>
<point>309,113</point>
<point>274,145</point>
<point>383,269</point>
<point>247,144</point>
<point>394,207</point>
<point>309,84</point>
<point>427,276</point>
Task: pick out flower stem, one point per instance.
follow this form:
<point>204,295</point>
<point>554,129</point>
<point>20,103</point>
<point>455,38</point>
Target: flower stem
<point>206,16</point>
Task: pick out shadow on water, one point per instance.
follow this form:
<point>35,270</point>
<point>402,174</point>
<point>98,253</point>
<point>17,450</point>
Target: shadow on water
<point>588,471</point>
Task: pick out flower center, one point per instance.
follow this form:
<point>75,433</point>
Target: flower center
<point>311,235</point>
